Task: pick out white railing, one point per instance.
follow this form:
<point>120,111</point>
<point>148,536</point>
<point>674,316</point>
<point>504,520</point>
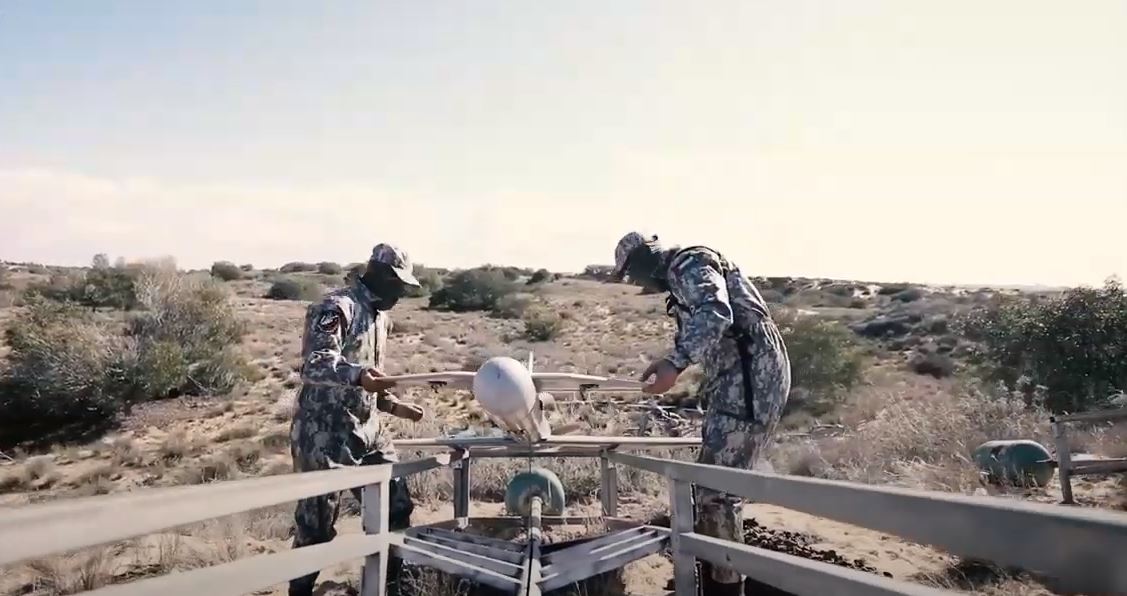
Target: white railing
<point>34,531</point>
<point>1077,549</point>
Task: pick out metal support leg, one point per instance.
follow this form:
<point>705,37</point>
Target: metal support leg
<point>534,572</point>
<point>1064,460</point>
<point>609,489</point>
<point>462,490</point>
<point>375,500</point>
<point>681,521</point>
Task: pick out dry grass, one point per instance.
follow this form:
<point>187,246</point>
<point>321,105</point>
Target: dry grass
<point>922,435</point>
<point>241,430</point>
<point>178,445</point>
<point>59,576</point>
<point>899,429</point>
<point>35,473</point>
<point>915,437</point>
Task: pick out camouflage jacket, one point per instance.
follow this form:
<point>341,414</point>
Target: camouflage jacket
<point>714,305</point>
<point>336,421</point>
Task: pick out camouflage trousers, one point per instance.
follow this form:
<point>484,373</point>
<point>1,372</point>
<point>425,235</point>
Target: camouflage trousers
<point>736,442</point>
<point>315,518</point>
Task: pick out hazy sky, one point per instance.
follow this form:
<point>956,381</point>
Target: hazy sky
<point>952,141</point>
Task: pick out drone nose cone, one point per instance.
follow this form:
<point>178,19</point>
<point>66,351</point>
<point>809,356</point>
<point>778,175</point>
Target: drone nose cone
<point>504,387</point>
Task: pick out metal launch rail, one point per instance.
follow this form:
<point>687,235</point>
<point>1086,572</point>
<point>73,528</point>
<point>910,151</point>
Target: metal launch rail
<point>1076,549</point>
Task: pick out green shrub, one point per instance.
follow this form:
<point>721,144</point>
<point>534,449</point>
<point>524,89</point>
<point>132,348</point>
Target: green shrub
<point>327,268</point>
<point>71,372</point>
<point>297,268</point>
<point>1074,345</point>
<point>825,360</point>
<point>101,286</point>
<point>512,306</point>
<point>430,281</point>
<point>192,325</point>
<point>908,295</point>
<point>63,368</point>
<point>540,276</point>
<point>542,324</point>
<point>226,271</point>
<point>289,288</point>
<point>473,290</point>
<point>932,363</point>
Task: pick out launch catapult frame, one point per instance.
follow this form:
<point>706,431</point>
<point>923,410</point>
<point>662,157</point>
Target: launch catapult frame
<point>517,399</point>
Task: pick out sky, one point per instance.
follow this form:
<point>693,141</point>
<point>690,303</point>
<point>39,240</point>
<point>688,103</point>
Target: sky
<point>882,140</point>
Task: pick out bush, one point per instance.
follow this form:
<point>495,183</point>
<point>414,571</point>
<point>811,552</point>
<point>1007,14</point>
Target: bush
<point>327,268</point>
<point>909,295</point>
<point>825,360</point>
<point>186,337</point>
<point>71,372</point>
<point>892,289</point>
<point>289,288</point>
<point>540,276</point>
<point>542,324</point>
<point>226,271</point>
<point>932,363</point>
<point>430,281</point>
<point>297,268</point>
<point>1074,345</point>
<point>102,286</point>
<point>597,272</point>
<point>63,367</point>
<point>512,306</point>
<point>473,290</point>
<point>246,267</point>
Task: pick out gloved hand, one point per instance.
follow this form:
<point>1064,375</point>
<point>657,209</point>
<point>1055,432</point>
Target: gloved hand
<point>386,402</point>
<point>371,382</point>
<point>412,412</point>
<point>664,374</point>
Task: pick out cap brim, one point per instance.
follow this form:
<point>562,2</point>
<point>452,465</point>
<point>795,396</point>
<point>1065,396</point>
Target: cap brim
<point>406,277</point>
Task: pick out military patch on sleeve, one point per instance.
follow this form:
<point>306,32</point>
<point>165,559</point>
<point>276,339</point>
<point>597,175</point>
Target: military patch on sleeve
<point>329,322</point>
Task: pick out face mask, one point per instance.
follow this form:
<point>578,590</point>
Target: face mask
<point>387,289</point>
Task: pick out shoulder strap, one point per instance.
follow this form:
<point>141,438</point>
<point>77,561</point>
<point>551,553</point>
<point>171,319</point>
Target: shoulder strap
<point>671,301</point>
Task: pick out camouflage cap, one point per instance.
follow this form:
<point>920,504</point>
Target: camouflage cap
<point>626,245</point>
<point>397,259</point>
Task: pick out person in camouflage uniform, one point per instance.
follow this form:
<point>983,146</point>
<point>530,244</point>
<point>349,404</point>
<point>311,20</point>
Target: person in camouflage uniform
<point>336,421</point>
<point>725,327</point>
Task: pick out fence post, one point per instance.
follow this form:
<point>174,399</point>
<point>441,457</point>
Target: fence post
<point>609,489</point>
<point>461,471</point>
<point>375,501</point>
<point>1064,459</point>
<point>681,522</point>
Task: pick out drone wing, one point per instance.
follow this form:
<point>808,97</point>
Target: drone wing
<point>557,381</point>
<point>450,380</point>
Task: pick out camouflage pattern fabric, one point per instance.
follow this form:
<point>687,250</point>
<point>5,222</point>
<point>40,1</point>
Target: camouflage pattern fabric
<point>716,303</point>
<point>336,422</point>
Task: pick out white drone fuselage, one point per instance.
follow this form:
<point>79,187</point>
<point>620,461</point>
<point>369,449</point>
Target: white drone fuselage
<point>506,391</point>
<point>514,397</point>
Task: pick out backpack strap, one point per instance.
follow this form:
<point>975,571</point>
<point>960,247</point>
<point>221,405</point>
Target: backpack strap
<point>743,339</point>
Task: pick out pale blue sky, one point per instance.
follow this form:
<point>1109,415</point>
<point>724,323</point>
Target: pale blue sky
<point>958,141</point>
